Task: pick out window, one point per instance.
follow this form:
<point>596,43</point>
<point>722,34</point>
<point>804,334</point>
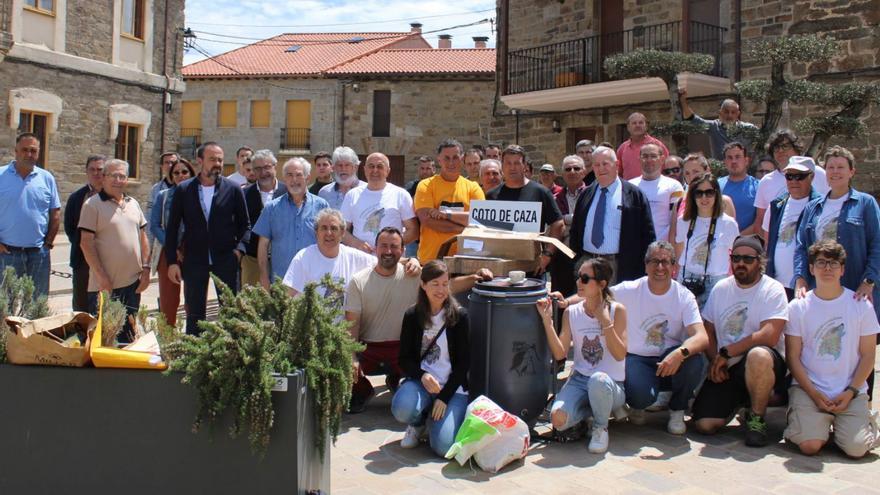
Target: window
<point>260,113</point>
<point>226,113</point>
<point>128,147</point>
<point>45,6</point>
<point>297,134</point>
<point>133,18</point>
<point>381,113</point>
<point>36,123</point>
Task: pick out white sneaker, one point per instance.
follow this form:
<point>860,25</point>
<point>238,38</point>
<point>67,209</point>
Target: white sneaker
<point>637,417</point>
<point>874,426</point>
<point>620,413</point>
<point>412,437</point>
<point>598,441</point>
<point>661,403</point>
<point>676,424</point>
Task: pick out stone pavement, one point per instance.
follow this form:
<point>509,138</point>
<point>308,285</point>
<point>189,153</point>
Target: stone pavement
<point>367,459</point>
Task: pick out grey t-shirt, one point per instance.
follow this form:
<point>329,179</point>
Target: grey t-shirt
<point>719,135</point>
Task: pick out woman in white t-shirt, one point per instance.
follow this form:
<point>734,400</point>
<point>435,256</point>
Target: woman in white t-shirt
<point>695,166</point>
<point>704,236</point>
<point>435,360</point>
<point>597,328</point>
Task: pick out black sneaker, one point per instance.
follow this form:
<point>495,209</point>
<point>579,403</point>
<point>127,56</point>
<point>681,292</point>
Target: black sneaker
<point>392,382</point>
<point>756,431</point>
<point>357,404</point>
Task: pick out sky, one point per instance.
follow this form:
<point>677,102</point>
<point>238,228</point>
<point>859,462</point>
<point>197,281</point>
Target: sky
<point>223,25</point>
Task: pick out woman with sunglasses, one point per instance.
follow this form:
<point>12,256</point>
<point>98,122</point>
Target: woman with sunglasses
<point>169,292</point>
<point>704,236</point>
<point>435,358</point>
<point>850,217</point>
<point>597,329</point>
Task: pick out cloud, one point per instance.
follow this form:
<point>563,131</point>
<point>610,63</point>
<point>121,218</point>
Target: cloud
<point>223,25</point>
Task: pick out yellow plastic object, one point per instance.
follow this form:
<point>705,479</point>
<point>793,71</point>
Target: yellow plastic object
<point>108,357</point>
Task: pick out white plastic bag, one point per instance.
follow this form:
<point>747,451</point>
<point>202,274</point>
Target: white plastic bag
<point>485,425</point>
<point>510,445</point>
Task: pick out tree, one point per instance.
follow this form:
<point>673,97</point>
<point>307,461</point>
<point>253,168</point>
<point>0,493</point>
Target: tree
<point>852,98</point>
<point>667,66</point>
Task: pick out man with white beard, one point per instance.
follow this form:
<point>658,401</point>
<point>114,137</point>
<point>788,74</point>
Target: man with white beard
<point>345,177</point>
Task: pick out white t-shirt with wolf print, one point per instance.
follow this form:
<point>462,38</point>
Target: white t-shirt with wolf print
<point>591,353</point>
<point>655,323</point>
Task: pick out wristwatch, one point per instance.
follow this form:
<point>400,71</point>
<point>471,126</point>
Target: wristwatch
<point>869,281</point>
<point>854,390</point>
<point>685,352</point>
<point>723,352</point>
<point>449,216</point>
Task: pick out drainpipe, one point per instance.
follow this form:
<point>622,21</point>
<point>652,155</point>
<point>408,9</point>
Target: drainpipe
<point>342,117</point>
<point>737,50</point>
<point>165,94</point>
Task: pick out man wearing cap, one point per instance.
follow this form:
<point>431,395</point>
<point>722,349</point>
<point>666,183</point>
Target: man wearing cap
<point>744,318</point>
<point>780,226</point>
<point>517,187</point>
<point>547,175</point>
<point>584,149</point>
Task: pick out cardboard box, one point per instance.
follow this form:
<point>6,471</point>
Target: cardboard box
<point>462,265</point>
<point>38,341</point>
<point>504,250</point>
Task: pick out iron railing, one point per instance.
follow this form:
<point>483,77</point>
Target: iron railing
<point>296,138</point>
<point>191,135</point>
<point>580,61</point>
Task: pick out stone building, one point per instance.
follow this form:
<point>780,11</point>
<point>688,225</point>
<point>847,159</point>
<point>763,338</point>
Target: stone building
<point>552,91</point>
<point>92,77</point>
<point>298,94</point>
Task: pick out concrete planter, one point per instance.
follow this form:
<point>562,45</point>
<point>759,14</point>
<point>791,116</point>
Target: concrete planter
<point>97,431</point>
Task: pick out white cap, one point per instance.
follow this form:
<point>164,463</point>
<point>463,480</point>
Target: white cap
<point>801,164</point>
<point>547,168</point>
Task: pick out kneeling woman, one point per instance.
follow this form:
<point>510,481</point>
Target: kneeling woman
<point>597,328</point>
<point>435,358</point>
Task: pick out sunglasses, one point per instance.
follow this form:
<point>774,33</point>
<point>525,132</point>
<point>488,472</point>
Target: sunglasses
<point>180,172</point>
<point>671,171</point>
<point>704,193</point>
<point>572,169</point>
<point>743,258</point>
<point>585,279</point>
<point>796,177</point>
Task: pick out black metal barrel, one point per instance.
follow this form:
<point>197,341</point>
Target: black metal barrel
<point>510,360</point>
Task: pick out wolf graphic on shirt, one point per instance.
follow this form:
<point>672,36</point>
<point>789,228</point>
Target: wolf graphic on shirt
<point>829,339</point>
<point>374,221</point>
<point>655,329</point>
<point>433,353</point>
<point>592,350</point>
<point>829,230</point>
<point>787,233</point>
<point>701,252</point>
<point>734,318</point>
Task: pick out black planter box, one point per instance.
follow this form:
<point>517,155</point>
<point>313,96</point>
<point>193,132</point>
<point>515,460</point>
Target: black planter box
<point>108,431</point>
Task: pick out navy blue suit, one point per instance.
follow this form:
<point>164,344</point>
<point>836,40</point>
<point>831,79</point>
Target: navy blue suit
<point>208,245</point>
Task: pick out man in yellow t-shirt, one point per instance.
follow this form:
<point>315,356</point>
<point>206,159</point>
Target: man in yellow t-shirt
<point>442,201</point>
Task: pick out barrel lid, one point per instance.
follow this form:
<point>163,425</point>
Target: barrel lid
<point>503,284</point>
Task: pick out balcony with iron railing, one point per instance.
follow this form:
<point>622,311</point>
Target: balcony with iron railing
<point>579,62</point>
<point>296,138</point>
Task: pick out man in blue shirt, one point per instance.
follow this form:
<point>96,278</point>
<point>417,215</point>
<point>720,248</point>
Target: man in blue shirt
<point>740,186</point>
<point>345,177</point>
<point>287,222</point>
<point>31,214</point>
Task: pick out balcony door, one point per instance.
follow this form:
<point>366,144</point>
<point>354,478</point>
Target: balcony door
<point>611,29</point>
<point>299,125</point>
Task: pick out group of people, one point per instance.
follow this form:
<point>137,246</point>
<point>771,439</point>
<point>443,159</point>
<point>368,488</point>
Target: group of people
<point>679,296</point>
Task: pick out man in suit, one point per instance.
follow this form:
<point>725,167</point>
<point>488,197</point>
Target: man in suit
<point>612,219</point>
<point>256,196</point>
<point>213,212</point>
<point>95,174</point>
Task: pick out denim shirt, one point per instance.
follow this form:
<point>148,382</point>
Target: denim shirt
<point>858,230</point>
<point>289,228</point>
<point>776,209</point>
<point>160,213</point>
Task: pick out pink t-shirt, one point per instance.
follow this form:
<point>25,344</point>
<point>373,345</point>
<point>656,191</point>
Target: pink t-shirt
<point>629,165</point>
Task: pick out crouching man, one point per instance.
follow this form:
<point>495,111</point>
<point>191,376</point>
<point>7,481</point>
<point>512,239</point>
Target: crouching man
<point>830,343</point>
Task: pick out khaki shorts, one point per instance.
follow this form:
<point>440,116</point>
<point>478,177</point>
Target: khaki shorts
<point>853,431</point>
<point>250,271</point>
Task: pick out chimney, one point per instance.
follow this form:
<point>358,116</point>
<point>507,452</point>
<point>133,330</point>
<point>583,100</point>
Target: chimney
<point>415,27</point>
<point>445,41</point>
<point>480,41</point>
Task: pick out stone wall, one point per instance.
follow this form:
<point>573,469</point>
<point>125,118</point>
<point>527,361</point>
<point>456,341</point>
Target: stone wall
<point>423,113</point>
<point>324,95</point>
<point>90,30</point>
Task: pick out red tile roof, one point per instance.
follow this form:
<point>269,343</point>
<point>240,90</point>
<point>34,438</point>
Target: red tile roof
<point>421,61</point>
<point>317,53</point>
<point>332,54</point>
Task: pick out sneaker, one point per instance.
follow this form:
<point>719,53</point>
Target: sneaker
<point>413,436</point>
<point>676,424</point>
<point>874,427</point>
<point>620,413</point>
<point>392,382</point>
<point>756,430</point>
<point>637,417</point>
<point>598,440</point>
<point>662,402</point>
<point>358,404</point>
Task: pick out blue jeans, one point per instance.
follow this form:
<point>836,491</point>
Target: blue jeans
<point>33,262</point>
<point>129,298</point>
<point>643,384</point>
<point>584,396</point>
<point>412,404</point>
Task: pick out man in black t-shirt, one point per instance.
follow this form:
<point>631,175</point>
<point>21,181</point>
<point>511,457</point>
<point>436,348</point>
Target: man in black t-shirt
<point>517,187</point>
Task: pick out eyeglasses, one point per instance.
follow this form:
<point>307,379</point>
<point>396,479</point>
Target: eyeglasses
<point>572,169</point>
<point>783,147</point>
<point>822,264</point>
<point>796,177</point>
<point>671,171</point>
<point>116,176</point>
<point>743,258</point>
<point>659,262</point>
<point>704,193</point>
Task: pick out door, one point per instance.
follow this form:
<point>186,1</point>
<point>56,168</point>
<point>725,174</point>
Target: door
<point>577,134</point>
<point>611,30</point>
<point>297,134</point>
